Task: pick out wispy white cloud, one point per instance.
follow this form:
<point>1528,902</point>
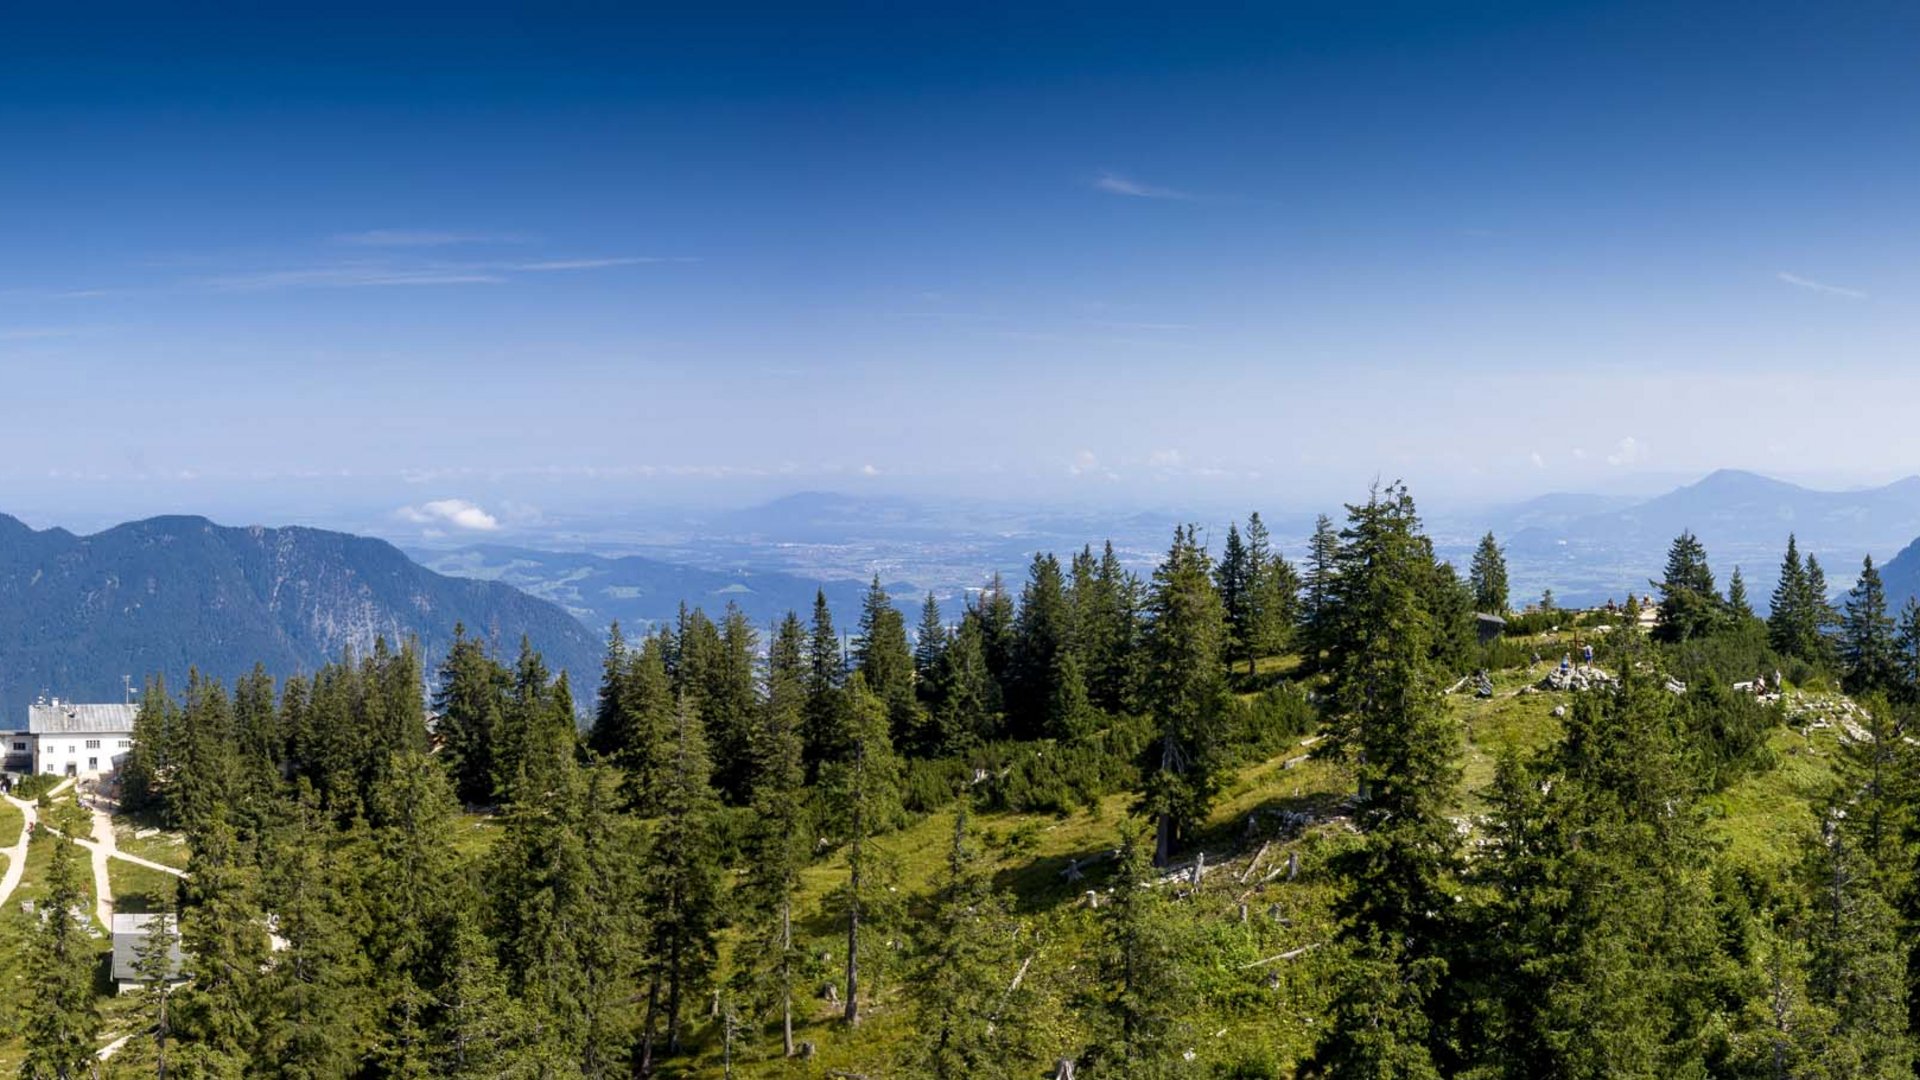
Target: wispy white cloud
<point>372,273</point>
<point>1115,184</point>
<point>408,238</point>
<point>1087,463</point>
<point>457,513</point>
<point>1628,451</point>
<point>545,265</point>
<point>350,276</point>
<point>1820,286</point>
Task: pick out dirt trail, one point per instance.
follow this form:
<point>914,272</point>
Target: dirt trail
<point>17,854</point>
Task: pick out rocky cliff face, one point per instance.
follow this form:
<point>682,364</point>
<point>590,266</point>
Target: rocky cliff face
<point>165,594</point>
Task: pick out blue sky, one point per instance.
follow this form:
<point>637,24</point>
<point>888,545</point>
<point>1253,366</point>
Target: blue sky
<point>566,256</point>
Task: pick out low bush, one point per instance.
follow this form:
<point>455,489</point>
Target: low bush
<point>1270,722</point>
<point>34,785</point>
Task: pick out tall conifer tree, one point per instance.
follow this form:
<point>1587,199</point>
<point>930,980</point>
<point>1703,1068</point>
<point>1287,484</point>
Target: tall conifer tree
<point>1867,650</point>
<point>862,796</point>
<point>1690,605</point>
<point>1186,693</point>
<point>63,1027</point>
<point>1487,577</point>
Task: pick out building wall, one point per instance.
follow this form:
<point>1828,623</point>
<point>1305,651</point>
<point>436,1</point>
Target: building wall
<point>16,751</point>
<point>84,756</point>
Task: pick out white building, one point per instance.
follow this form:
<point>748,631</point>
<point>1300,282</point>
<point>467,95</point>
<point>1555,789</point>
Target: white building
<point>65,739</point>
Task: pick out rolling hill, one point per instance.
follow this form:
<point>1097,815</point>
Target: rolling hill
<point>168,593</point>
<point>1742,518</point>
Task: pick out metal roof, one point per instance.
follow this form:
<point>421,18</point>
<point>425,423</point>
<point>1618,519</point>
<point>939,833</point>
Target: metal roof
<point>129,933</point>
<point>70,719</point>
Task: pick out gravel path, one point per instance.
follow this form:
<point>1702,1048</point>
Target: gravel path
<point>17,854</point>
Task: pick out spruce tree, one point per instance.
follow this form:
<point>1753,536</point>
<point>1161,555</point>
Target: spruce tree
<point>223,935</point>
<point>1387,721</point>
<point>613,729</point>
<point>1234,578</point>
<point>826,677</point>
<point>770,962</point>
<point>1690,605</point>
<point>1487,577</point>
<point>536,888</point>
<point>1821,616</point>
<point>314,1001</point>
<point>929,642</point>
<point>861,790</point>
<point>681,889</point>
<point>880,651</point>
<point>1106,608</point>
<point>966,1023</point>
<point>1145,989</point>
<point>1858,968</point>
<point>1316,612</point>
<point>469,701</point>
<point>1042,643</point>
<point>997,619</point>
<point>414,892</point>
<point>1907,653</point>
<point>729,704</point>
<point>157,965</point>
<point>609,928</point>
<point>648,707</point>
<point>1738,606</point>
<point>1186,693</point>
<point>1602,901</point>
<point>63,1026</point>
<point>153,756</point>
<point>1276,595</point>
<point>1867,649</point>
<point>478,1033</point>
<point>969,712</point>
<point>534,740</point>
<point>1790,629</point>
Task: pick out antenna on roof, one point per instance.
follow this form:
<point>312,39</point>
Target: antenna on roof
<point>126,681</point>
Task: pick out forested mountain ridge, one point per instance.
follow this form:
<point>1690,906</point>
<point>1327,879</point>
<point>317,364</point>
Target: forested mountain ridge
<point>168,593</point>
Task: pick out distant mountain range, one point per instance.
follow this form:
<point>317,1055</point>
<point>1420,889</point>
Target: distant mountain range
<point>640,592</point>
<point>1742,518</point>
<point>157,596</point>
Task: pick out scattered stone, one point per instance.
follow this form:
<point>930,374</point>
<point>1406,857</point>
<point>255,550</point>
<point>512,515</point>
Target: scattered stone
<point>1577,680</point>
<point>1559,710</point>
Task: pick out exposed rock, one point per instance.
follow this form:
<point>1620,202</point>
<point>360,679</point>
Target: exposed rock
<point>1577,680</point>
